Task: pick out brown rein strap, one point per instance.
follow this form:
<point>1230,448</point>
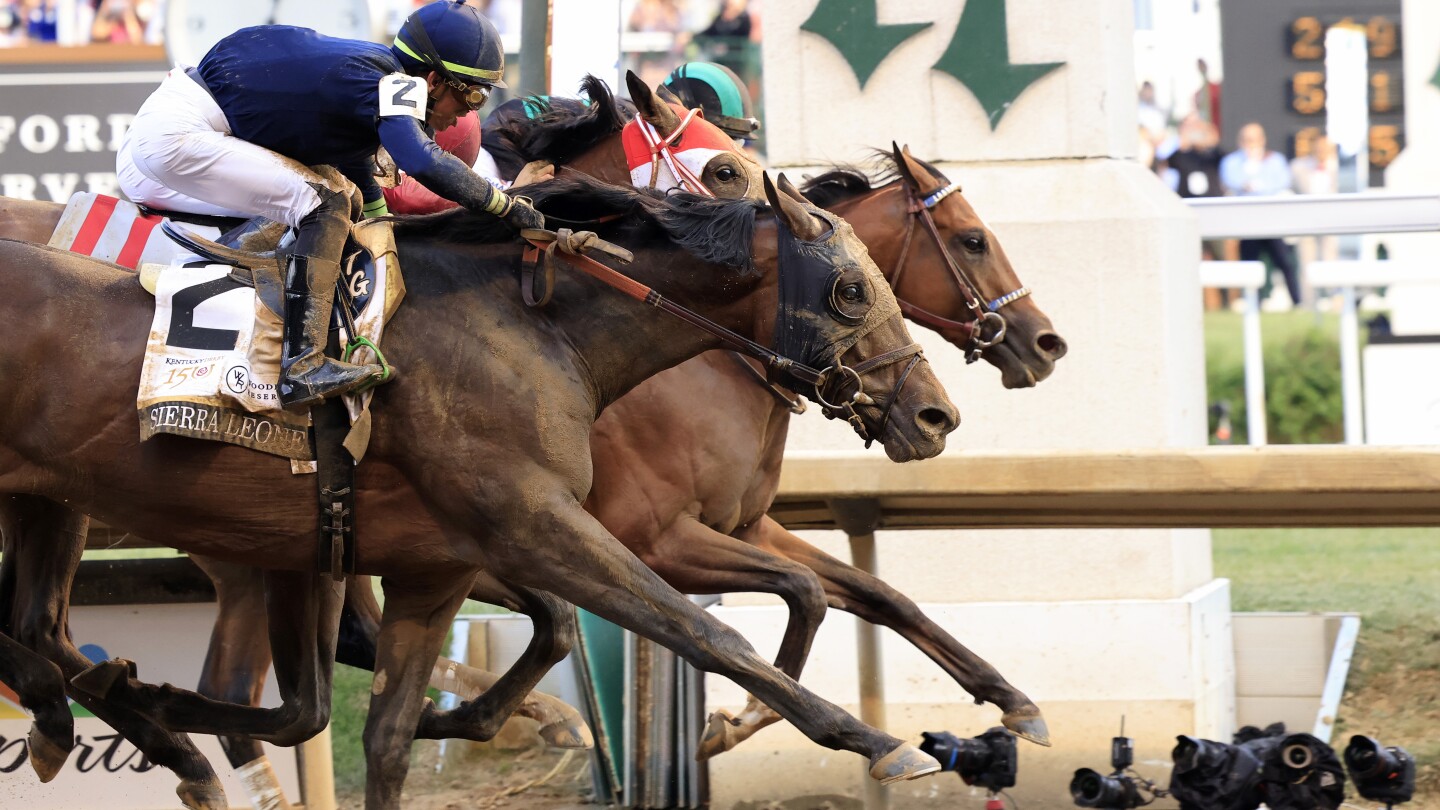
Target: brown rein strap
<point>570,244</point>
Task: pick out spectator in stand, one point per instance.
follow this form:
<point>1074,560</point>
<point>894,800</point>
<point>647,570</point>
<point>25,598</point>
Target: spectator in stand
<point>117,23</point>
<point>42,23</point>
<point>1317,173</point>
<point>733,21</point>
<point>12,23</point>
<point>1207,98</point>
<point>1197,161</point>
<point>1152,118</point>
<point>1255,171</point>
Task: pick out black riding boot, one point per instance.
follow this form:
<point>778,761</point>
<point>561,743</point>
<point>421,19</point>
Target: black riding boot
<point>306,375</point>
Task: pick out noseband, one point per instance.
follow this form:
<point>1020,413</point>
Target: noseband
<point>972,331</point>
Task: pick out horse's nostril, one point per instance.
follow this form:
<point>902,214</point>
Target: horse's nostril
<point>936,419</point>
<point>1051,344</point>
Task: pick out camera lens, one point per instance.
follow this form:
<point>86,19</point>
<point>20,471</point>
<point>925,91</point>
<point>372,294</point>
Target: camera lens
<point>1366,758</point>
<point>1090,789</point>
<point>1297,756</point>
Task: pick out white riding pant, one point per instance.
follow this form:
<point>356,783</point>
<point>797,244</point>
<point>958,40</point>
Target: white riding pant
<point>179,155</point>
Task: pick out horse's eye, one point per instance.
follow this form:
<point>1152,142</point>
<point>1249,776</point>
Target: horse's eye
<point>974,244</point>
<point>852,293</point>
<point>725,174</point>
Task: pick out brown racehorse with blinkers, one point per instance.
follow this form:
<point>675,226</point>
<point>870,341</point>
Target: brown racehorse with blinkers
<point>489,386</point>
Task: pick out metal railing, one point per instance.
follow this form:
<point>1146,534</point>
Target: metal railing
<point>1314,215</point>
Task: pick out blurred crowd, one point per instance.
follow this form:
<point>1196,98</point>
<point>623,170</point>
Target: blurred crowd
<point>663,34</point>
<point>1185,151</point>
<point>80,22</point>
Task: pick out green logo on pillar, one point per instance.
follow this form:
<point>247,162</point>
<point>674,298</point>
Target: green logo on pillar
<point>978,54</point>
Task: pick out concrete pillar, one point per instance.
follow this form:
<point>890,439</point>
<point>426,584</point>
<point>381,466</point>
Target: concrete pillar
<point>1031,105</point>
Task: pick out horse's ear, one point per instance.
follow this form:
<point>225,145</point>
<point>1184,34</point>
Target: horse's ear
<point>806,226</point>
<point>656,113</point>
<point>789,189</point>
<point>905,166</point>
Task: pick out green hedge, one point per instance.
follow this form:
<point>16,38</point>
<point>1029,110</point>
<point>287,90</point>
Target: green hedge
<point>1302,376</point>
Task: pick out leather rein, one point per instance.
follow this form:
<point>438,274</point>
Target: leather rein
<point>971,332</point>
<point>830,383</point>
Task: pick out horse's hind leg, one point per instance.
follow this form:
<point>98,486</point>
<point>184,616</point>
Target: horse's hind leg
<point>235,668</point>
<point>854,591</point>
<point>693,558</point>
<point>304,612</point>
<point>41,689</point>
<point>45,541</point>
<point>554,635</point>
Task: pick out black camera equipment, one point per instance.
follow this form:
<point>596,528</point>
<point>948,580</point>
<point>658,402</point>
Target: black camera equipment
<point>1380,773</point>
<point>1286,772</point>
<point>1210,775</point>
<point>987,760</point>
<point>1121,790</point>
<point>1304,774</point>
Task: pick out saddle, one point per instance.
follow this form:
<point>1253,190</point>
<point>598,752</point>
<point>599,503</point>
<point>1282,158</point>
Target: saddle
<point>212,362</point>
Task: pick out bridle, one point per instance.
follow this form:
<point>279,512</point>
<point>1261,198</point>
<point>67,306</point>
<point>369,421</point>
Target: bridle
<point>663,149</point>
<point>972,331</point>
<point>830,383</point>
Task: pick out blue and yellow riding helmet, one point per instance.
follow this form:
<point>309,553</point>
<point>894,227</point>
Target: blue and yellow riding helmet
<point>454,40</point>
<point>719,92</point>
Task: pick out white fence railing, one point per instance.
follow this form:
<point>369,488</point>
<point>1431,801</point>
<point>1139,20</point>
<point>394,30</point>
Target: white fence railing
<point>1314,215</point>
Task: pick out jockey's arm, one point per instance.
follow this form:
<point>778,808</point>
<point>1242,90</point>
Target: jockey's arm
<point>417,155</point>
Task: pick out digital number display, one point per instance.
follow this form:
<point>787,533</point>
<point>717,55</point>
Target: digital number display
<point>1305,95</point>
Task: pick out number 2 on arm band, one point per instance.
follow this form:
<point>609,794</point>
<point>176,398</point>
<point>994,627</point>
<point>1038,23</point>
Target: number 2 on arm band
<point>402,95</point>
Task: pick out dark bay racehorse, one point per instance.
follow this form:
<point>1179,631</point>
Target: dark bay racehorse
<point>686,468</point>
<point>480,456</point>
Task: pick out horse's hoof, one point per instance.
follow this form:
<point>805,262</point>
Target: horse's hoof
<point>207,795</point>
<point>905,762</point>
<point>47,756</point>
<point>1028,724</point>
<point>570,734</point>
<point>716,739</point>
<point>100,678</point>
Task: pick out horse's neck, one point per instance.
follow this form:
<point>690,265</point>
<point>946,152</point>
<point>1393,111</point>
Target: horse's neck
<point>622,342</point>
<point>605,162</point>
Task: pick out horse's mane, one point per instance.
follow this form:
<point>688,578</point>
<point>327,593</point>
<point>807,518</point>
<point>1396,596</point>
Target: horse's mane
<point>846,181</point>
<point>562,129</point>
<point>717,231</point>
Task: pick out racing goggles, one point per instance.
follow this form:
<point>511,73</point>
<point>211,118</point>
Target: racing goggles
<point>474,95</point>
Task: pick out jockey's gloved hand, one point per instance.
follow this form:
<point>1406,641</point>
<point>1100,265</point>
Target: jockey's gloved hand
<point>522,215</point>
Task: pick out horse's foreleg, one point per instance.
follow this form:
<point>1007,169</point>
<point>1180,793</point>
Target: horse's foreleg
<point>41,689</point>
<point>568,553</point>
<point>304,611</point>
<point>417,617</point>
<point>235,668</point>
<point>854,591</point>
<point>561,726</point>
<point>46,541</point>
<point>694,558</point>
<point>481,719</point>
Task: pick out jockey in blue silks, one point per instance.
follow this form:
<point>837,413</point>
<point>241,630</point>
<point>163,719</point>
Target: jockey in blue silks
<point>233,135</point>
